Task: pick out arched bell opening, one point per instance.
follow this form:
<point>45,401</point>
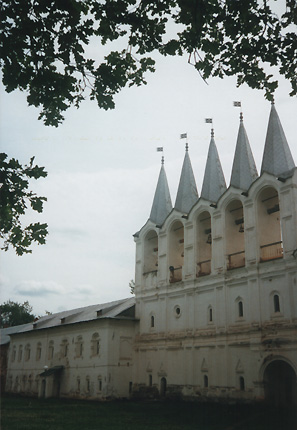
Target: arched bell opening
<point>234,228</point>
<point>204,244</point>
<point>269,226</point>
<point>280,384</point>
<point>150,252</point>
<point>176,252</point>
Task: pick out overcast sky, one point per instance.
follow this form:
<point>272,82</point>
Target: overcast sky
<point>102,173</point>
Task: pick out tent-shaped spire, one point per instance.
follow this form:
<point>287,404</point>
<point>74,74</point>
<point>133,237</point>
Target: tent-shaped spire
<point>214,183</point>
<point>187,194</point>
<point>244,171</point>
<point>162,205</point>
<point>277,157</point>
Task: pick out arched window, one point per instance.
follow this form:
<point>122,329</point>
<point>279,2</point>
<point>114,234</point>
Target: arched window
<point>152,321</point>
<point>269,227</point>
<point>240,309</point>
<point>38,351</point>
<point>204,244</point>
<point>150,252</point>
<point>51,350</point>
<point>24,381</point>
<point>99,383</point>
<point>13,354</point>
<point>88,385</point>
<point>205,381</point>
<point>79,346</point>
<point>210,314</point>
<point>176,251</point>
<point>30,382</point>
<point>27,352</point>
<point>78,384</point>
<point>276,303</point>
<point>95,345</point>
<point>234,230</point>
<point>64,348</point>
<point>241,383</point>
<point>20,354</point>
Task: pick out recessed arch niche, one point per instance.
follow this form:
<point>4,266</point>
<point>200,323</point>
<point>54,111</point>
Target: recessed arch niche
<point>150,252</point>
<point>269,226</point>
<point>176,251</point>
<point>234,230</point>
<point>204,244</point>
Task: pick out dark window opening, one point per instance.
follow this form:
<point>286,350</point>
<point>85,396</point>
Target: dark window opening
<point>152,321</point>
<point>276,303</point>
<point>240,309</point>
<point>150,380</point>
<point>241,383</point>
<point>205,381</point>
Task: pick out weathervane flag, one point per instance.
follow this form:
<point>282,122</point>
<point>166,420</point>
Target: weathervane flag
<point>183,136</point>
<point>237,104</point>
<point>208,120</point>
<point>160,149</point>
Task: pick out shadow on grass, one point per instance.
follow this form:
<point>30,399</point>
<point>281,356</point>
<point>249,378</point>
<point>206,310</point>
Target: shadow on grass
<point>22,413</point>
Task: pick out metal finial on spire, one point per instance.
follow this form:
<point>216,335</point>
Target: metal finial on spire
<point>241,116</point>
<point>187,146</point>
<point>162,160</point>
<point>212,133</point>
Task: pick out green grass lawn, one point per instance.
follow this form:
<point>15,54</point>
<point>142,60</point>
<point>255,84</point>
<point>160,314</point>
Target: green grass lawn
<point>20,413</point>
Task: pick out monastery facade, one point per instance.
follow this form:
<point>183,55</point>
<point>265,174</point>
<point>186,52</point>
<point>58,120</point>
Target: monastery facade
<point>215,309</point>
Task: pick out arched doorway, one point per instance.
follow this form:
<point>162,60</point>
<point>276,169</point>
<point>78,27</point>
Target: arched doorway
<point>163,386</point>
<point>280,385</point>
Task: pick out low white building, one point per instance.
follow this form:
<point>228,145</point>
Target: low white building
<point>83,353</point>
<point>215,296</point>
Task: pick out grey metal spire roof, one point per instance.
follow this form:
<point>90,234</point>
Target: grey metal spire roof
<point>277,157</point>
<point>244,171</point>
<point>214,184</point>
<point>187,194</point>
<point>162,205</point>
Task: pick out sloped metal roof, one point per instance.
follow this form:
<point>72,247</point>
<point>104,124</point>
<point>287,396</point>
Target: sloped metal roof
<point>214,184</point>
<point>244,170</point>
<point>162,205</point>
<point>88,313</point>
<point>6,332</point>
<point>277,157</point>
<point>187,194</point>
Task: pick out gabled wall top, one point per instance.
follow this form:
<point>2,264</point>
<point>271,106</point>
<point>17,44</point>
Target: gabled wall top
<point>277,157</point>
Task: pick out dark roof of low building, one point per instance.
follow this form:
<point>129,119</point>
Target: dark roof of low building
<point>119,309</point>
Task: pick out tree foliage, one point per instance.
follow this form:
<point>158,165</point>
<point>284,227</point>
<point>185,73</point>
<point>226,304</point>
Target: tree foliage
<point>43,45</point>
<point>14,313</point>
<point>15,198</point>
